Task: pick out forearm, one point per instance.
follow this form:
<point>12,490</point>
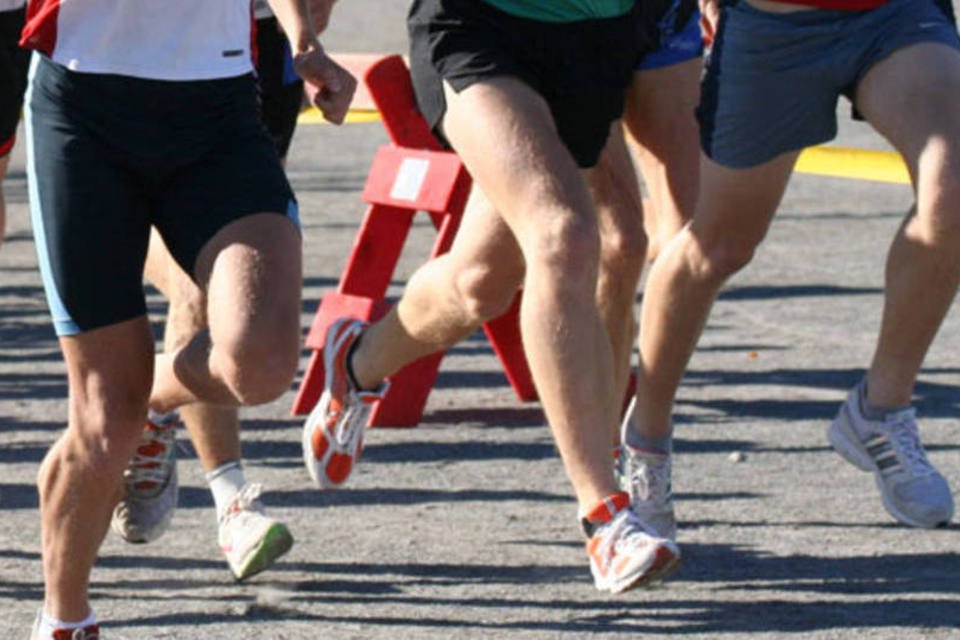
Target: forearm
<point>294,18</point>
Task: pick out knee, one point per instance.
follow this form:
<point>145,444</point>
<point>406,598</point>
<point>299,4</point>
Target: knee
<point>623,251</point>
<point>938,196</point>
<point>717,260</point>
<point>258,370</point>
<point>485,292</point>
<point>97,445</point>
<point>567,248</point>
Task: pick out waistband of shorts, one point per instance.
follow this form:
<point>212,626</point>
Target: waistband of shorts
<point>582,28</point>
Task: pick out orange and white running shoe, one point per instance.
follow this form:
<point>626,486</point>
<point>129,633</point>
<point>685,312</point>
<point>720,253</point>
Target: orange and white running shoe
<point>333,432</point>
<point>150,483</point>
<point>623,553</point>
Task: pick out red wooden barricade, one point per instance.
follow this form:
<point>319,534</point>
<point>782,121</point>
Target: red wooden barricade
<point>412,174</point>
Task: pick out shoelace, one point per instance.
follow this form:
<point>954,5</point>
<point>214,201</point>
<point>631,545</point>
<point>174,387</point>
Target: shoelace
<point>247,499</point>
<point>625,532</point>
<point>347,430</point>
<point>904,431</point>
<point>651,480</point>
<point>151,463</point>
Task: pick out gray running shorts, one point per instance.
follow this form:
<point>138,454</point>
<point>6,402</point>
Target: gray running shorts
<point>772,80</point>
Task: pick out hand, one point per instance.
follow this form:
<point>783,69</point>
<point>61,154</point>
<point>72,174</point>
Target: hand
<point>320,14</point>
<point>335,85</point>
<point>709,16</point>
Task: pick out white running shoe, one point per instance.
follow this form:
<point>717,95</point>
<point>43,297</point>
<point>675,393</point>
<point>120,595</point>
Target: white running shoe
<point>913,491</point>
<point>150,483</point>
<point>333,432</point>
<point>90,632</point>
<point>623,554</point>
<point>251,540</point>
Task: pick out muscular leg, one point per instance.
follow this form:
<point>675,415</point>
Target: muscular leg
<point>734,209</point>
<point>504,133</point>
<point>251,273</point>
<point>903,97</point>
<point>623,245</point>
<point>213,429</point>
<point>87,462</point>
<point>447,298</point>
<point>665,137</point>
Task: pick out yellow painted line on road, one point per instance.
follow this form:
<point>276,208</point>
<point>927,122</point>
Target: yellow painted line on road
<point>312,115</point>
<point>861,164</point>
<point>837,162</point>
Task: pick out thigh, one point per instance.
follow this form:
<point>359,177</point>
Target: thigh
<point>505,135</point>
<point>90,218</point>
<point>904,94</point>
<point>238,175</point>
<point>579,68</point>
<point>735,206</point>
<point>660,118</point>
<point>251,272</point>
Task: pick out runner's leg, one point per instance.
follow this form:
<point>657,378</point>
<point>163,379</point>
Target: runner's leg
<point>503,131</point>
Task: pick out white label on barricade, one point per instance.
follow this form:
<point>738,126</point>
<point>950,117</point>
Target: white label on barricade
<point>409,179</point>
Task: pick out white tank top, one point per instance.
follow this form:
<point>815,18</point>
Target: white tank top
<point>10,5</point>
<point>157,39</point>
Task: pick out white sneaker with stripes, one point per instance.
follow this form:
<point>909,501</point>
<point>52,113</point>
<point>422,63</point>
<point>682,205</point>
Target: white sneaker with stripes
<point>913,491</point>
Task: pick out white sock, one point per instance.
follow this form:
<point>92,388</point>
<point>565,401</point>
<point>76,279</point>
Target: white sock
<point>225,483</point>
<point>48,624</point>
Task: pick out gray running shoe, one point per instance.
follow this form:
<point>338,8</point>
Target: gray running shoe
<point>913,491</point>
<point>150,480</point>
<point>647,478</point>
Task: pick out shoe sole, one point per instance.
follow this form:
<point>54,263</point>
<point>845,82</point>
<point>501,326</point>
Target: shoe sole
<point>665,563</point>
<point>276,542</point>
<point>848,446</point>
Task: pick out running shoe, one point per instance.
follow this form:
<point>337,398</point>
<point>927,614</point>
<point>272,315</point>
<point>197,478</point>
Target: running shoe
<point>623,553</point>
<point>333,432</point>
<point>647,479</point>
<point>91,632</point>
<point>150,483</point>
<point>913,491</point>
<point>251,540</point>
<point>645,475</point>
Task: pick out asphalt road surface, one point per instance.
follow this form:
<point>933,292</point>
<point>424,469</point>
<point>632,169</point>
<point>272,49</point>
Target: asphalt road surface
<point>465,527</point>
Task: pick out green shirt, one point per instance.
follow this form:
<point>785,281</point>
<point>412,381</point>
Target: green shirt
<point>563,10</point>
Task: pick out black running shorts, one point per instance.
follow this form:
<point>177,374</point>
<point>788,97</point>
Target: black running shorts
<point>580,68</point>
<point>110,155</point>
<point>13,76</point>
<point>281,90</point>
